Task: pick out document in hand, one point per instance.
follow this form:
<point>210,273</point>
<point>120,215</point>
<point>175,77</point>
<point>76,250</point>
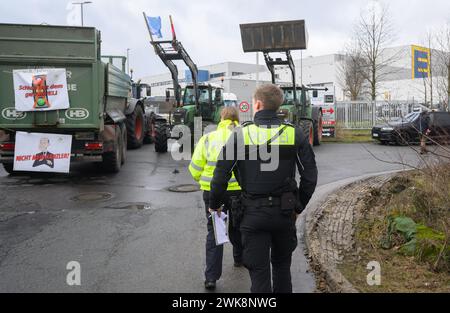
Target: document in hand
<point>220,224</point>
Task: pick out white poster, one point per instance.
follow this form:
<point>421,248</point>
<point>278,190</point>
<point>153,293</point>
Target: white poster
<point>40,90</point>
<point>36,152</point>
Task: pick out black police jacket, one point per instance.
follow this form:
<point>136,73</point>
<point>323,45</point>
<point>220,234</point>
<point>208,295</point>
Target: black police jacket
<point>257,183</point>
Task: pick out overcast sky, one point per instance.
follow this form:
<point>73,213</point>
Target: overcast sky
<point>209,29</point>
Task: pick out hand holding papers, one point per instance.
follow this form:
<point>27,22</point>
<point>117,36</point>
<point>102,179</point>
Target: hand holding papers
<point>220,224</point>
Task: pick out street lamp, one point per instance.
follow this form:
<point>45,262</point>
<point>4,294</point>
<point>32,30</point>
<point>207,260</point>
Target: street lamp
<point>81,4</point>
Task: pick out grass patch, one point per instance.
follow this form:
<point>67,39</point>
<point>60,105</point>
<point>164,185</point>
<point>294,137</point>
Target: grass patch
<point>405,227</point>
<point>350,136</point>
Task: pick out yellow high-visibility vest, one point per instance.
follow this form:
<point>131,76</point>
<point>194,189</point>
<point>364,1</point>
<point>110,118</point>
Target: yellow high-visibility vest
<point>255,136</point>
<point>206,155</point>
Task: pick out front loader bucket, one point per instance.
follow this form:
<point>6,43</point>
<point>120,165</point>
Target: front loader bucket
<point>274,36</point>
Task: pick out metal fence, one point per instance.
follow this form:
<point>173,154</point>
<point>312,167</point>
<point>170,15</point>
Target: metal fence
<point>363,114</point>
<point>245,117</point>
<point>366,114</point>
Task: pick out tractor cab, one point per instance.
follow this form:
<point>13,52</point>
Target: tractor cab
<point>140,91</point>
<point>210,101</point>
<point>292,105</point>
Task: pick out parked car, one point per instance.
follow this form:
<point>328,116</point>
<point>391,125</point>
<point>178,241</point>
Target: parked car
<point>406,130</point>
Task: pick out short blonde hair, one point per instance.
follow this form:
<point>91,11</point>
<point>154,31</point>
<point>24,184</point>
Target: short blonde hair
<point>230,113</point>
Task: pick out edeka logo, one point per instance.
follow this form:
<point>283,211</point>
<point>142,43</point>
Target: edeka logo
<point>12,114</point>
<point>77,114</point>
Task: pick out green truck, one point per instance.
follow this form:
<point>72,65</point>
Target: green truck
<point>99,93</point>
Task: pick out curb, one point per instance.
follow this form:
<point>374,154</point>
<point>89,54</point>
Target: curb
<point>329,232</point>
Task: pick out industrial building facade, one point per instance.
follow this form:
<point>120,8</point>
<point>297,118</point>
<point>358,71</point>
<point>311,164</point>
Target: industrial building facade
<point>405,78</point>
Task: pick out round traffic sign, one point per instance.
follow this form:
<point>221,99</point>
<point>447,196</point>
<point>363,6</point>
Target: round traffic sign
<point>244,107</point>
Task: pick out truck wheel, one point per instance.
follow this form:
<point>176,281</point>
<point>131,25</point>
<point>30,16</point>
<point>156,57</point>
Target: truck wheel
<point>123,131</point>
<point>112,161</point>
<point>136,128</point>
<point>318,130</point>
<point>161,137</point>
<point>9,168</point>
<point>308,130</point>
<point>150,132</point>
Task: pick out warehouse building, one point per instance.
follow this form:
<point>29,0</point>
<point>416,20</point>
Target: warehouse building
<point>406,77</point>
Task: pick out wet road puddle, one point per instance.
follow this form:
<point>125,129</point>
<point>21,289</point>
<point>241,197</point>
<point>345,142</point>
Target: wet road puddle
<point>139,206</point>
<point>184,188</point>
<point>92,196</point>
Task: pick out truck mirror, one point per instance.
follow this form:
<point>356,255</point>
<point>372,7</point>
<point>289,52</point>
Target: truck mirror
<point>167,95</point>
<point>315,94</point>
<point>149,91</point>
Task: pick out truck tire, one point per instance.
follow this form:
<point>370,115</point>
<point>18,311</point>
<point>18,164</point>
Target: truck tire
<point>150,131</point>
<point>112,161</point>
<point>135,128</point>
<point>318,130</point>
<point>161,137</point>
<point>9,168</point>
<point>123,131</point>
<point>308,130</point>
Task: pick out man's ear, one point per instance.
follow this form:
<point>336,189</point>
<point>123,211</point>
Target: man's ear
<point>259,105</point>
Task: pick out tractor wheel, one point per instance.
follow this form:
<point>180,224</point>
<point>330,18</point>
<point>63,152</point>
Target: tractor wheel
<point>308,129</point>
<point>112,161</point>
<point>123,132</point>
<point>9,168</point>
<point>149,133</point>
<point>136,128</point>
<point>160,137</point>
<point>318,130</point>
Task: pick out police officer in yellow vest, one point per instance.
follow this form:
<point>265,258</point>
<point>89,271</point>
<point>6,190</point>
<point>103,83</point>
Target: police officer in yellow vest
<point>202,169</point>
<point>263,157</point>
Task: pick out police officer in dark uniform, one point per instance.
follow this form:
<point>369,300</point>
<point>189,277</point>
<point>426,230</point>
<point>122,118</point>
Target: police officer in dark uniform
<point>424,131</point>
<point>272,199</point>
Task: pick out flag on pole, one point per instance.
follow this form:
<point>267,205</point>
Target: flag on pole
<point>154,25</point>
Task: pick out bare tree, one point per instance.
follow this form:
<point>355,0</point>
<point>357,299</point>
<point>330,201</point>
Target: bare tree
<point>350,73</point>
<point>429,77</point>
<point>430,73</point>
<point>373,34</point>
<point>443,68</point>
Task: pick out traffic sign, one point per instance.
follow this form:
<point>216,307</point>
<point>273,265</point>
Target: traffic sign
<point>244,107</point>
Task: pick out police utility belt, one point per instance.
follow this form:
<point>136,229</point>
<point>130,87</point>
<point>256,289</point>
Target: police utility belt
<point>287,202</point>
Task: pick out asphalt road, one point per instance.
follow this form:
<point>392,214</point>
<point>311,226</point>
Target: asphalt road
<point>130,233</point>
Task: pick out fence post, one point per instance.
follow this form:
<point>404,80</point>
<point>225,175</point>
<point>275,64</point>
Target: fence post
<point>374,112</point>
<point>346,115</point>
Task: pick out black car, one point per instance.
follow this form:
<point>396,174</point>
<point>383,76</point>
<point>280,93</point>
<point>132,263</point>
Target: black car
<point>407,130</point>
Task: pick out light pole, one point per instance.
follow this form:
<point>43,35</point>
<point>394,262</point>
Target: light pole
<point>81,4</point>
<point>128,61</point>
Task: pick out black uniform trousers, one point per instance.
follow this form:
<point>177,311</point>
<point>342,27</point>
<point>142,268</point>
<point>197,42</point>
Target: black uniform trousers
<point>214,253</point>
<point>268,236</point>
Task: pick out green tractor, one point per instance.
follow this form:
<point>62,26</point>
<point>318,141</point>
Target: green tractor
<point>143,125</point>
<point>282,37</point>
<point>196,100</point>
